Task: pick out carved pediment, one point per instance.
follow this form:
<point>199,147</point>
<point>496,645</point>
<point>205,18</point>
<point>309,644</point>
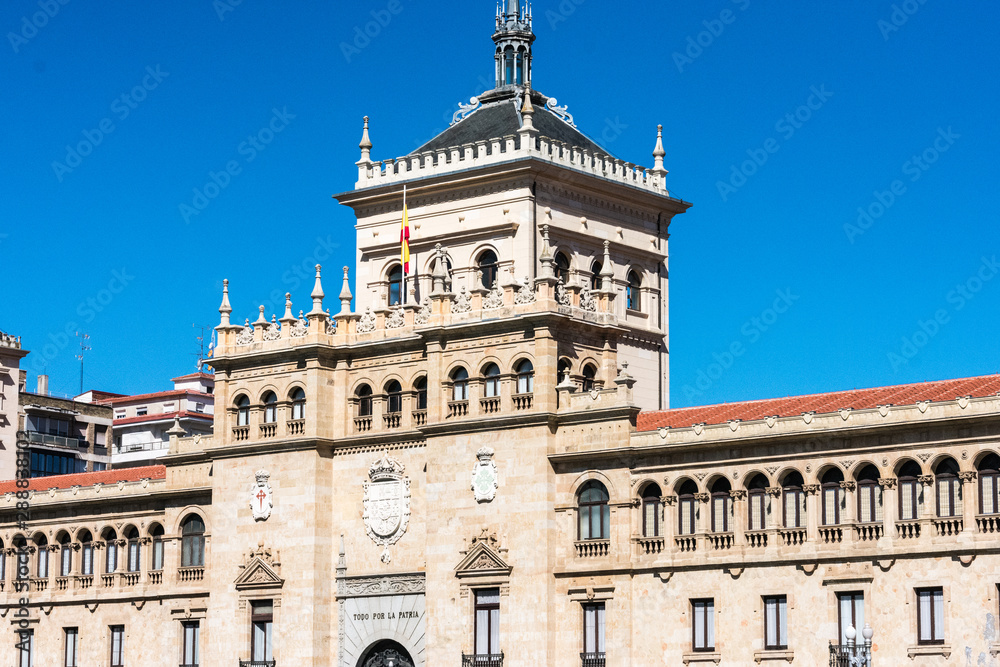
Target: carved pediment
<point>482,560</point>
<point>258,573</point>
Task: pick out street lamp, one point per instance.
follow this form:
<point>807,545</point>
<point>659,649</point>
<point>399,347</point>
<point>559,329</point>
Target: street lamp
<point>860,656</point>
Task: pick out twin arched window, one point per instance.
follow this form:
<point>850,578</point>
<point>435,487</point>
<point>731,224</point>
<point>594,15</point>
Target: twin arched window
<point>110,538</point>
<point>910,493</point>
<point>489,265</point>
<point>491,381</point>
<point>651,511</point>
<point>156,532</point>
<point>193,541</point>
<point>298,403</point>
<point>65,554</point>
<point>833,500</point>
<point>869,495</point>
<point>42,545</point>
<point>794,497</point>
<point>86,552</point>
<point>687,510</point>
<point>364,397</point>
<point>394,397</point>
<point>525,377</point>
<point>395,276</point>
<point>595,513</point>
<point>722,506</point>
<point>759,505</point>
<point>949,488</point>
<point>460,384</point>
<point>270,407</point>
<point>243,411</point>
<point>134,549</point>
<point>633,300</point>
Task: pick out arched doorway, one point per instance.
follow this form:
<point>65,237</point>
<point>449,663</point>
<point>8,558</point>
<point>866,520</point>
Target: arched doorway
<point>385,653</point>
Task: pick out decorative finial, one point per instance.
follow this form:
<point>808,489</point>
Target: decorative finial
<point>260,318</point>
<point>606,273</point>
<point>317,294</point>
<point>345,294</point>
<point>659,153</point>
<point>288,317</point>
<point>225,309</point>
<point>366,144</point>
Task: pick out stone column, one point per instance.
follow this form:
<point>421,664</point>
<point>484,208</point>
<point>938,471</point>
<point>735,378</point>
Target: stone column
<point>774,499</point>
<point>850,513</point>
<point>702,520</point>
<point>970,500</point>
<point>812,510</point>
<point>928,508</point>
<point>669,521</point>
<point>890,501</point>
<point>739,497</point>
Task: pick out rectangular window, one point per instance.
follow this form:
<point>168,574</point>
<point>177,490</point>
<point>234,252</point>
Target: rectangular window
<point>776,622</point>
<point>949,497</point>
<point>908,500</point>
<point>831,506</point>
<point>72,639</point>
<point>26,648</point>
<point>66,560</point>
<point>988,493</point>
<point>117,646</point>
<point>488,622</point>
<point>686,519</point>
<point>795,508</point>
<point>720,514</point>
<point>111,559</point>
<point>87,562</point>
<point>703,625</point>
<point>930,616</point>
<point>869,502</point>
<point>593,629</point>
<point>43,561</point>
<point>140,412</point>
<point>191,632</point>
<point>133,555</point>
<point>262,621</point>
<point>850,614</point>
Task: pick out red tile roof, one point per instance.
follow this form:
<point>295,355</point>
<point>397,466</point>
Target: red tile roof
<point>140,398</point>
<point>793,406</point>
<point>88,478</point>
<point>184,414</point>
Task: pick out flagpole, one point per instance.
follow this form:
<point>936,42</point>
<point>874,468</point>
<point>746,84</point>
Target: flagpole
<point>403,231</point>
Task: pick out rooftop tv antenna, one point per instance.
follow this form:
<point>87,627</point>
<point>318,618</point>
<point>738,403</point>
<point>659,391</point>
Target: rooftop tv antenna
<point>84,347</point>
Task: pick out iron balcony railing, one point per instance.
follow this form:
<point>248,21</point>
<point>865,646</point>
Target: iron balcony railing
<point>258,663</point>
<point>482,660</point>
<point>57,440</point>
<point>592,659</point>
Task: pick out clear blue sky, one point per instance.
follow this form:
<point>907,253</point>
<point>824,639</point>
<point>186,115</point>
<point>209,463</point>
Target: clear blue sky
<point>217,71</point>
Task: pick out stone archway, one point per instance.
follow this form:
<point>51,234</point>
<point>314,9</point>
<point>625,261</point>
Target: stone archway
<point>385,653</point>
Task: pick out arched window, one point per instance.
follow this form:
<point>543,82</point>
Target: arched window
<point>949,489</point>
<point>595,276</point>
<point>589,377</point>
<point>833,497</point>
<point>488,264</point>
<point>298,403</point>
<point>633,300</point>
<point>687,510</point>
<point>270,407</point>
<point>910,492</point>
<point>722,506</point>
<point>869,495</point>
<point>42,547</point>
<point>364,396</point>
<point>794,505</point>
<point>395,285</point>
<point>460,384</point>
<point>562,268</point>
<point>65,554</point>
<point>519,68</point>
<point>491,381</point>
<point>393,397</point>
<point>508,59</point>
<point>22,567</point>
<point>989,475</point>
<point>110,538</point>
<point>758,503</point>
<point>525,377</point>
<point>156,532</point>
<point>420,387</point>
<point>193,542</point>
<point>243,411</point>
<point>651,511</point>
<point>86,541</point>
<point>563,370</point>
<point>595,513</point>
<point>133,549</point>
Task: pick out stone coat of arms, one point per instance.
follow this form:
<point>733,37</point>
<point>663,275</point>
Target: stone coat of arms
<point>386,503</point>
<point>485,478</point>
<point>260,496</point>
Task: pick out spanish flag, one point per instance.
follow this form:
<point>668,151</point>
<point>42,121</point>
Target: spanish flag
<point>404,238</point>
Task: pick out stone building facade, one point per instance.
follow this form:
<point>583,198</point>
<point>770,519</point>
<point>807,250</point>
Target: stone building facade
<point>475,472</point>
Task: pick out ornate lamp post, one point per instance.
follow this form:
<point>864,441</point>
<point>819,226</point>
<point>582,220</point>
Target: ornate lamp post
<point>851,654</point>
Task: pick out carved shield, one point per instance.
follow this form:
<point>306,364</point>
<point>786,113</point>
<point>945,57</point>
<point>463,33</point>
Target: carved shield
<point>384,507</point>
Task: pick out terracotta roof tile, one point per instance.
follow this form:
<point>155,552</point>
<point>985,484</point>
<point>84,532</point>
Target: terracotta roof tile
<point>88,478</point>
<point>793,406</point>
<point>160,416</point>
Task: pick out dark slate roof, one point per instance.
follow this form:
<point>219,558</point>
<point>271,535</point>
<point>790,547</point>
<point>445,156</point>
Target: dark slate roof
<point>498,117</point>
